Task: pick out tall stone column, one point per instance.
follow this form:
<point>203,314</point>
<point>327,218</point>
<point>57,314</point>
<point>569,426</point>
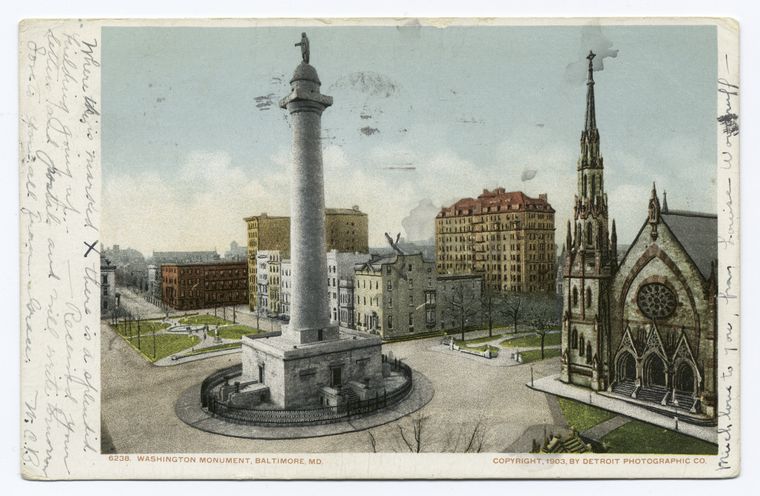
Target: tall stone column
<point>309,308</point>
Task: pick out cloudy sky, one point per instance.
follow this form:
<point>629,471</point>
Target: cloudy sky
<point>193,139</point>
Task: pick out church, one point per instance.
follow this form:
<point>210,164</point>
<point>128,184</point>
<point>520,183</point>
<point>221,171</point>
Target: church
<point>642,327</point>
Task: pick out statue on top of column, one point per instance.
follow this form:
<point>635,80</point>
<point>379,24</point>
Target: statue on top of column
<point>304,48</point>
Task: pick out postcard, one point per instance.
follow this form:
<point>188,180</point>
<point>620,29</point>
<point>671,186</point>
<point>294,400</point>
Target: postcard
<point>379,248</point>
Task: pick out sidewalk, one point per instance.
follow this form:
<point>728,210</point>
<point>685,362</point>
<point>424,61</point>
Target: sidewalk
<point>597,432</point>
<point>552,385</point>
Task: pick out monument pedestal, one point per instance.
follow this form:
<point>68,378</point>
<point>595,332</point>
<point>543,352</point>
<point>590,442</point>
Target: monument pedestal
<point>297,374</point>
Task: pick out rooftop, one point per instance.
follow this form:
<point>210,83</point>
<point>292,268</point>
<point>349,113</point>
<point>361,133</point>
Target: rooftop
<point>698,234</point>
<point>498,200</point>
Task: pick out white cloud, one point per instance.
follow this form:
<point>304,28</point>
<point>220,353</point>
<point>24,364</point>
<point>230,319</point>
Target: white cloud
<point>200,209</point>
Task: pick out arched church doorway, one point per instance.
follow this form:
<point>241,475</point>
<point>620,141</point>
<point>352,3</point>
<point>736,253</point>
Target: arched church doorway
<point>684,379</point>
<point>654,371</point>
<point>626,367</point>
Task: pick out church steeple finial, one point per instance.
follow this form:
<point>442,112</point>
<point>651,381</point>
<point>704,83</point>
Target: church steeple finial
<point>590,110</point>
<point>664,208</point>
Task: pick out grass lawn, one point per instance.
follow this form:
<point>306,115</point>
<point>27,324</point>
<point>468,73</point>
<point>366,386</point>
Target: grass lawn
<point>203,320</point>
<point>209,349</point>
<point>640,437</point>
<point>236,331</point>
<point>535,355</point>
<point>583,416</point>
<point>166,344</point>
<point>554,338</point>
<point>146,327</point>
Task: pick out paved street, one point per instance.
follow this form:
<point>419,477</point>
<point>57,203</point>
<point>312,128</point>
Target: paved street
<point>138,405</point>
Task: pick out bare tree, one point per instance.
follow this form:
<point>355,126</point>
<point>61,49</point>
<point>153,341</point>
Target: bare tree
<point>513,307</point>
<point>489,308</point>
<point>541,310</point>
<point>372,441</point>
<point>468,438</point>
<point>416,434</point>
<point>460,305</point>
<point>413,440</point>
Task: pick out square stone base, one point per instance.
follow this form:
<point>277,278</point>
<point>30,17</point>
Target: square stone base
<point>296,373</point>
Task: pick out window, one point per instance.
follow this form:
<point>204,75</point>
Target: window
<point>656,301</point>
<point>588,297</point>
<point>335,377</point>
<point>430,317</point>
<point>390,321</point>
<point>575,296</point>
<point>574,338</point>
<point>430,297</point>
<point>582,346</point>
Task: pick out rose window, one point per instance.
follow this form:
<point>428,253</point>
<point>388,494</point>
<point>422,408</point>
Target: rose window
<point>656,301</point>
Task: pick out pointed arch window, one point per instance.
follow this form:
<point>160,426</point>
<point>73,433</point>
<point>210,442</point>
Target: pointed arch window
<point>574,338</point>
<point>582,346</point>
<point>589,234</point>
<point>593,186</point>
<point>588,297</point>
<point>588,352</point>
<point>584,185</point>
<point>575,296</point>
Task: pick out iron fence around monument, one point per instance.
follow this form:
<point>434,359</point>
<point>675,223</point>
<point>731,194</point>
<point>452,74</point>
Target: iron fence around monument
<point>290,417</point>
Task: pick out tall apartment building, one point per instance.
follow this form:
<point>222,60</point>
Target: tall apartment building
<point>507,237</point>
<point>346,230</point>
<point>192,286</point>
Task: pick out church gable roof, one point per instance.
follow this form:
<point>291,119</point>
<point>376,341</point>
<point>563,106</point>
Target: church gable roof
<point>698,234</point>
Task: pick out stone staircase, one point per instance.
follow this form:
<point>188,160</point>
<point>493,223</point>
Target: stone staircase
<point>349,395</point>
<point>575,445</point>
<point>624,388</point>
<point>658,395</point>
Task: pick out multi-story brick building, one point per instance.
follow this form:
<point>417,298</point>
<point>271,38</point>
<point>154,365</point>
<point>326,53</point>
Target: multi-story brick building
<point>398,295</point>
<point>340,270</point>
<point>265,232</point>
<point>268,280</point>
<point>507,237</point>
<point>346,230</point>
<point>192,286</point>
<point>285,287</point>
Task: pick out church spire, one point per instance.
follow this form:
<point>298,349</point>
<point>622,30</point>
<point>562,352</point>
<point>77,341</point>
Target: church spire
<point>590,111</point>
<point>590,156</point>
